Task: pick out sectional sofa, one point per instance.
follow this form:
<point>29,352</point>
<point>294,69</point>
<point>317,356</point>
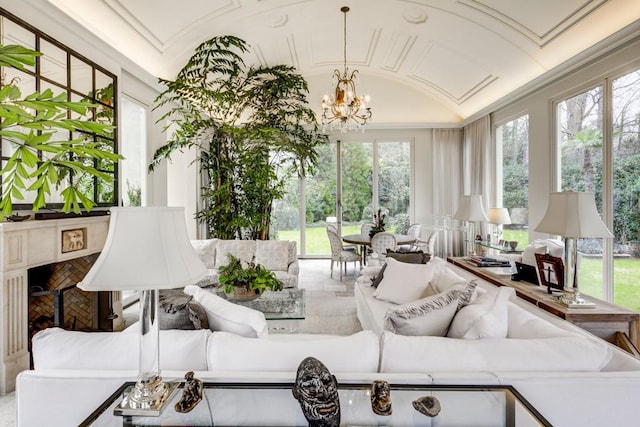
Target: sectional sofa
<point>570,376</point>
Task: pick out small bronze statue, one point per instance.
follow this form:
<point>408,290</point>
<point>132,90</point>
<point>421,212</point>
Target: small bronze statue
<point>191,393</point>
<point>381,397</point>
<point>316,389</point>
<point>427,405</point>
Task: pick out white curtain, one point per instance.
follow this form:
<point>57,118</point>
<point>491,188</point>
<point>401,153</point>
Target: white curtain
<point>448,186</point>
<point>478,162</point>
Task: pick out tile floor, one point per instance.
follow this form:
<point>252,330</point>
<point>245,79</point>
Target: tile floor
<point>314,277</point>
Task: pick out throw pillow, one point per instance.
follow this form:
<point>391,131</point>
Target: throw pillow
<point>206,250</point>
<point>487,317</point>
<point>273,254</point>
<point>446,279</point>
<point>223,315</point>
<point>415,257</point>
<point>529,253</point>
<point>429,316</point>
<point>178,311</point>
<point>244,250</point>
<point>402,282</point>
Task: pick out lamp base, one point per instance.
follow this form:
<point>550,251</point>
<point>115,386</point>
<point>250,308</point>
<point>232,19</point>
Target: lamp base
<point>147,399</point>
<point>571,298</point>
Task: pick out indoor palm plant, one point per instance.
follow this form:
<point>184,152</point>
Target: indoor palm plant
<point>50,150</point>
<point>246,282</point>
<point>252,128</point>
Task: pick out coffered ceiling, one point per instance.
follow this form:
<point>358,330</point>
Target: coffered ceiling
<point>422,61</point>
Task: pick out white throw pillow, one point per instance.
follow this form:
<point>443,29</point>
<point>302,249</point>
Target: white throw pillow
<point>487,317</point>
<point>529,253</point>
<point>403,282</point>
<point>359,352</point>
<point>226,316</point>
<point>428,316</point>
<point>446,279</point>
<point>206,250</point>
<point>273,254</point>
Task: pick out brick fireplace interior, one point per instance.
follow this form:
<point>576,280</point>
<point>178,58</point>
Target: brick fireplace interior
<point>54,300</point>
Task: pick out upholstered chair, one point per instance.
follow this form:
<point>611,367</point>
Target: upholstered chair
<point>340,255</point>
<point>380,242</point>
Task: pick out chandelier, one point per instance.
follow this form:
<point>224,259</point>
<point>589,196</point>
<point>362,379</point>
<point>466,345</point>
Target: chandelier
<point>345,109</point>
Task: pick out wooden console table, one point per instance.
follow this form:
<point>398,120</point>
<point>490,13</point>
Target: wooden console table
<point>605,320</point>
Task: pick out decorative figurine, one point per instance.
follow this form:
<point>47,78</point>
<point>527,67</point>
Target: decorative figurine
<point>381,397</point>
<point>191,393</point>
<point>316,389</point>
<point>427,405</point>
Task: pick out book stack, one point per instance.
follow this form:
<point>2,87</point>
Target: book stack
<point>483,261</point>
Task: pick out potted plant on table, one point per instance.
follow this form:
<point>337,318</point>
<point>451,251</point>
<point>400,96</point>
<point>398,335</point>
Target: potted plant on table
<point>248,283</point>
<point>378,223</point>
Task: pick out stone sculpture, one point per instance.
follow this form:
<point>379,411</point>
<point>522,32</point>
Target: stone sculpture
<point>316,389</point>
<point>191,393</point>
<point>381,397</point>
<point>427,405</point>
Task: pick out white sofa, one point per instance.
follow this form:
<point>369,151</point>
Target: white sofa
<point>278,256</point>
<point>570,376</point>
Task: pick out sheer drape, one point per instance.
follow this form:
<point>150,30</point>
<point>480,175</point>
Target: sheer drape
<point>478,163</point>
<point>448,186</point>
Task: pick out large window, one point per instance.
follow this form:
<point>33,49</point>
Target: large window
<point>373,174</point>
<point>65,71</point>
<point>134,143</point>
<point>513,148</point>
<point>585,139</point>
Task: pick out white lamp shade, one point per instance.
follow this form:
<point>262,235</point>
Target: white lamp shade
<point>146,248</point>
<point>573,214</point>
<point>470,208</point>
<point>498,216</point>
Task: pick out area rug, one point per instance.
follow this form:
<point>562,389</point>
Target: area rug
<point>330,313</point>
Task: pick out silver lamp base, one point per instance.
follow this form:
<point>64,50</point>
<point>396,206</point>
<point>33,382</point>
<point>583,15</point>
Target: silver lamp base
<point>572,299</point>
<point>147,399</point>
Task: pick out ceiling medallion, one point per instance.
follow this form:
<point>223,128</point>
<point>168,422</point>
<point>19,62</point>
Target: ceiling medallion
<point>344,109</point>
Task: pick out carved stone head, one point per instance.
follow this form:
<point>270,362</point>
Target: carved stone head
<point>381,397</point>
<point>316,389</point>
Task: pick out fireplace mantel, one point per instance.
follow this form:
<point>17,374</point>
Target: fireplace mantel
<point>28,244</point>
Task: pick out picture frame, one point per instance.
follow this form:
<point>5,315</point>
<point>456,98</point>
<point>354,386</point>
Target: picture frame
<point>551,272</point>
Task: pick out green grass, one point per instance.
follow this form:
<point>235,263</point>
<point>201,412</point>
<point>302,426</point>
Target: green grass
<point>626,270</point>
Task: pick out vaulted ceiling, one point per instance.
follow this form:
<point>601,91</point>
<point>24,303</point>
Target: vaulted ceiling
<point>422,61</point>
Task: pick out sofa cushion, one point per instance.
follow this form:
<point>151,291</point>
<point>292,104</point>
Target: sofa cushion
<point>427,316</point>
<point>227,316</point>
<point>179,311</point>
<point>244,250</point>
<point>414,257</point>
<point>283,352</point>
<point>424,354</point>
<point>273,254</point>
<point>402,282</point>
<point>487,317</point>
<point>206,250</point>
<point>56,348</point>
<point>445,279</point>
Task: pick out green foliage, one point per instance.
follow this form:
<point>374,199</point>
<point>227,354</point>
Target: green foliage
<point>40,158</point>
<point>254,277</point>
<point>253,130</point>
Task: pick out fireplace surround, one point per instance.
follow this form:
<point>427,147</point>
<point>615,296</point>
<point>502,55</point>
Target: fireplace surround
<point>30,244</point>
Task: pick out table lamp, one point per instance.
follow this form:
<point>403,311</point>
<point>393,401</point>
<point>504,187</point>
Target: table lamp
<point>470,209</point>
<point>498,217</point>
<point>146,249</point>
<point>572,215</point>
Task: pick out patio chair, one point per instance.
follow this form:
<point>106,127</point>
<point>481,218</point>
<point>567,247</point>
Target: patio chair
<point>340,255</point>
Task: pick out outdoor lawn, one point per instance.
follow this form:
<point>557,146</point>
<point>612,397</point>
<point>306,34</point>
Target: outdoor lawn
<point>626,270</point>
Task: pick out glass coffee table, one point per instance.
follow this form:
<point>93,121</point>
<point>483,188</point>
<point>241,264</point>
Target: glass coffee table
<point>273,404</point>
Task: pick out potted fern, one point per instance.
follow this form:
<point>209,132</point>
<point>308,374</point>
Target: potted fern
<point>246,283</point>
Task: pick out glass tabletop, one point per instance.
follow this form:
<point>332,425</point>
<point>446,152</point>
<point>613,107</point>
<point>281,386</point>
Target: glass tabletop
<point>273,404</point>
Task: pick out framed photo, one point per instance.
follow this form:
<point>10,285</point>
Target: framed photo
<point>551,271</point>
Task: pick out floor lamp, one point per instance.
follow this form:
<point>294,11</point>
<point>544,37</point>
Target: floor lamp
<point>470,209</point>
<point>572,215</point>
<point>147,249</point>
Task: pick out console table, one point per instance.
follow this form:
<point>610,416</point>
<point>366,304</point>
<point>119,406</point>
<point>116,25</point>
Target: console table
<point>605,320</point>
